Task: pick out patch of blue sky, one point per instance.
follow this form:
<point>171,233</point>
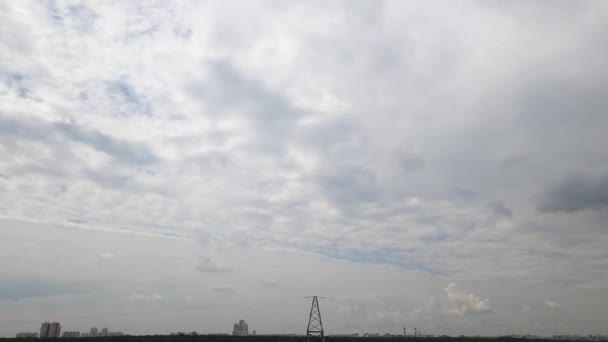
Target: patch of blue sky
<point>17,82</point>
<point>78,17</point>
<point>124,93</point>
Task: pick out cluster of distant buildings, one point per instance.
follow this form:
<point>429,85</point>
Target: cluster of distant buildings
<point>53,330</point>
<point>573,337</point>
<point>95,333</point>
<point>241,328</point>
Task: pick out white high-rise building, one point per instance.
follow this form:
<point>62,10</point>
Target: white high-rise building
<point>240,329</point>
<point>44,329</point>
<point>54,329</point>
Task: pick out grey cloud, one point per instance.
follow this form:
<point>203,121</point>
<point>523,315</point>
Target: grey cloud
<point>500,209</point>
<point>208,265</point>
<point>12,128</point>
<point>273,114</point>
<point>513,161</point>
<point>349,184</point>
<point>52,132</point>
<point>576,192</point>
<point>465,193</point>
<point>209,161</point>
<point>411,162</point>
<point>228,291</point>
<point>270,283</point>
<point>110,178</point>
<point>330,134</point>
<point>120,149</point>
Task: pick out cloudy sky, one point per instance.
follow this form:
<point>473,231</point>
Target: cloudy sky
<point>180,166</point>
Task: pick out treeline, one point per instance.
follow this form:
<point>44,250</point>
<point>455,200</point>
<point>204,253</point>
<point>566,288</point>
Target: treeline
<point>270,338</point>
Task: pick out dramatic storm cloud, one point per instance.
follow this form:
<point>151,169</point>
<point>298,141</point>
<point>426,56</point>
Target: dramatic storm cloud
<point>188,164</point>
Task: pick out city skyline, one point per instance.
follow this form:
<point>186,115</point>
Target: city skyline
<point>177,165</point>
<point>315,331</point>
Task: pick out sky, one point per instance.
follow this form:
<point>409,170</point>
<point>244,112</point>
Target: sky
<point>178,166</point>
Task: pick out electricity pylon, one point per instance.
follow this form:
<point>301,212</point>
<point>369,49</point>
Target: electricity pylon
<point>314,332</point>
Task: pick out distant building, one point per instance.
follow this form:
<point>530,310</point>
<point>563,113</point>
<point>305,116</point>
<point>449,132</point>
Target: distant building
<point>54,330</point>
<point>44,329</point>
<point>93,332</point>
<point>27,335</point>
<point>71,334</point>
<point>240,329</point>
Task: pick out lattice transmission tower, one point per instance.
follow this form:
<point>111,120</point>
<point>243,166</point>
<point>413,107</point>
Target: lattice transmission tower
<point>314,332</point>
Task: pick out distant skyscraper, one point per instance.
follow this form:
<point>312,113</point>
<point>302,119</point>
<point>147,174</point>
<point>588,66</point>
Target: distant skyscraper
<point>240,329</point>
<point>93,331</point>
<point>54,330</point>
<point>44,329</point>
<point>104,332</point>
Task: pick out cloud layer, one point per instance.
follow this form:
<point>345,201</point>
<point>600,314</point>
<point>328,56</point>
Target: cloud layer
<point>444,143</point>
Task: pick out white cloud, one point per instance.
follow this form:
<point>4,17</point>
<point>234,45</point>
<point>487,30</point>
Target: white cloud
<point>552,305</point>
<point>228,291</point>
<point>145,297</point>
<point>462,303</point>
<point>106,255</point>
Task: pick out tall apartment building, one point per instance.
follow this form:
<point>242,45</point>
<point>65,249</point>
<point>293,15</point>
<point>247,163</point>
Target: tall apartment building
<point>240,329</point>
<point>44,329</point>
<point>104,332</point>
<point>54,329</point>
